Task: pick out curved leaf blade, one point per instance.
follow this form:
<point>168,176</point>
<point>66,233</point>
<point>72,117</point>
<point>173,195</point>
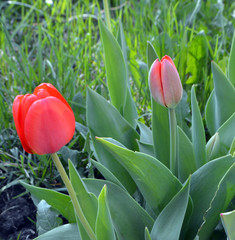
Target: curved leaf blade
<point>198,132</point>
<point>203,187</point>
<point>104,226</point>
<point>146,170</point>
<point>129,218</point>
<point>169,223</point>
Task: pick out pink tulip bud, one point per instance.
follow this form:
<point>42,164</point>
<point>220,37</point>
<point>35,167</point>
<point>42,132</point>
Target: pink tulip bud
<point>164,82</point>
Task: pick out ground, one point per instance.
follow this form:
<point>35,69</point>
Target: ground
<point>17,215</point>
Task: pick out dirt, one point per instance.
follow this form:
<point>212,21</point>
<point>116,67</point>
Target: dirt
<point>17,215</point>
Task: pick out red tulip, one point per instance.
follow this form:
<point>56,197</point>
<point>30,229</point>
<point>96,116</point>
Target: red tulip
<point>44,120</point>
<point>164,82</point>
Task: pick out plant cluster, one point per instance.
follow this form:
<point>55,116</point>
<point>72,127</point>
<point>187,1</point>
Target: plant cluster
<point>164,176</point>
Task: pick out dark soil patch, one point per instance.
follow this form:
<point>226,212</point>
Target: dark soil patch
<point>17,215</point>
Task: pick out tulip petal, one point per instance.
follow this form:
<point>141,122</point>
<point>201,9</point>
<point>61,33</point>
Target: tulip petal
<point>169,60</point>
<point>49,125</point>
<point>17,112</point>
<point>155,82</point>
<point>172,87</point>
<point>52,91</point>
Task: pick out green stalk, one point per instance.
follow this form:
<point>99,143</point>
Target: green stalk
<point>73,196</point>
<point>173,124</point>
<point>107,15</point>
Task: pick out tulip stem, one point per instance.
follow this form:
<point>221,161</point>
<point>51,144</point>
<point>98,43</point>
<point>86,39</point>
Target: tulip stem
<point>73,196</point>
<point>173,124</point>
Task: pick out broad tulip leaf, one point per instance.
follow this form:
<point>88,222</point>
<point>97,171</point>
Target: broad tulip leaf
<point>146,148</point>
<point>213,147</point>
<point>204,184</point>
<point>227,132</point>
<point>104,225</point>
<point>58,201</point>
<point>122,41</point>
<point>129,218</point>
<point>145,133</point>
<point>221,105</point>
<point>146,170</point>
<point>151,54</point>
<point>104,120</point>
<point>220,143</point>
<point>228,220</point>
<point>220,202</point>
<point>147,235</point>
<point>115,68</point>
<point>186,157</point>
<point>198,132</point>
<point>161,133</point>
<point>160,121</point>
<point>231,63</point>
<point>232,148</point>
<point>169,223</point>
<point>182,112</point>
<point>67,231</point>
<point>210,113</point>
<point>88,202</point>
<point>117,75</point>
<point>107,174</point>
<point>47,218</point>
<point>129,111</point>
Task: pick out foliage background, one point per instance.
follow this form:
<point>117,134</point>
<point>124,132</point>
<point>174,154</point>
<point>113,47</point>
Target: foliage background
<point>60,43</point>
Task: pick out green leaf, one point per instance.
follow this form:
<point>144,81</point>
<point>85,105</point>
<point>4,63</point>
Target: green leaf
<point>147,234</point>
<point>210,114</point>
<point>232,148</point>
<point>104,120</point>
<point>220,202</point>
<point>67,231</point>
<point>129,111</point>
<point>226,136</point>
<point>88,202</point>
<point>145,133</point>
<point>231,63</point>
<point>129,218</point>
<point>107,174</point>
<point>47,219</point>
<point>197,59</point>
<point>151,54</point>
<point>169,223</point>
<point>198,132</point>
<point>213,147</point>
<point>146,170</point>
<point>161,133</point>
<point>122,41</point>
<point>182,112</point>
<point>58,201</point>
<point>115,68</point>
<point>221,106</point>
<point>228,220</point>
<point>104,225</point>
<point>164,46</point>
<point>146,148</point>
<point>204,184</point>
<point>186,157</point>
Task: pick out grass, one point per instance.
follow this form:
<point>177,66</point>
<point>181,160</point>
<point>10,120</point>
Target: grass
<point>60,44</point>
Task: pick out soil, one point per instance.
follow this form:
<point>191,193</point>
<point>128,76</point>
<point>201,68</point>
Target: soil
<point>17,215</point>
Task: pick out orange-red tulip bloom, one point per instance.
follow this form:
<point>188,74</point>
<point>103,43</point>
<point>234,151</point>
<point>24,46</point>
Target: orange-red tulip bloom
<point>164,82</point>
<point>44,120</point>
